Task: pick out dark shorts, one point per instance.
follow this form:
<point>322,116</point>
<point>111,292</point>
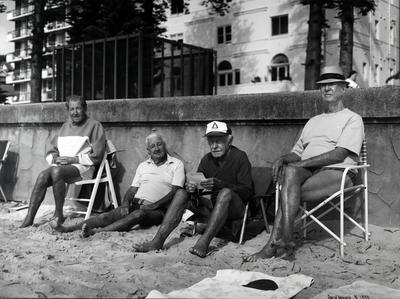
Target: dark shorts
<point>350,174</point>
<point>136,203</point>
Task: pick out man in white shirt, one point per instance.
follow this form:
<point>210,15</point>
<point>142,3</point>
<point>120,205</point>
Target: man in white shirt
<point>328,139</point>
<point>157,181</point>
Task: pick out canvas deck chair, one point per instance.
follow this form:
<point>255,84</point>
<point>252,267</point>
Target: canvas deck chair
<point>261,176</point>
<point>103,175</point>
<point>4,146</point>
<point>343,194</point>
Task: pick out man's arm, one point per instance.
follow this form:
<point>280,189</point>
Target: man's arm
<point>334,156</point>
<point>283,160</point>
<point>129,195</point>
<point>163,202</point>
<point>244,186</point>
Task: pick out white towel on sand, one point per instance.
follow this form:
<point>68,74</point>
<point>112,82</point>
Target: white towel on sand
<point>229,283</point>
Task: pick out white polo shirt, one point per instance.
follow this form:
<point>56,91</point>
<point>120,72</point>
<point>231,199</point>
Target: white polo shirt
<point>154,182</point>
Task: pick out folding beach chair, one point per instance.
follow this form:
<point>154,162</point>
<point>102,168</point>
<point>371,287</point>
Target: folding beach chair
<point>4,146</point>
<point>343,194</point>
<point>103,175</point>
<point>261,176</point>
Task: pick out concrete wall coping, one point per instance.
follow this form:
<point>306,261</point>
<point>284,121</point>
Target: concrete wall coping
<point>262,108</point>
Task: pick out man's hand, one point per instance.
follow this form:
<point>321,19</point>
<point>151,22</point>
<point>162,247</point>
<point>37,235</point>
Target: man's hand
<point>277,168</point>
<point>63,160</point>
<point>211,183</point>
<point>190,187</point>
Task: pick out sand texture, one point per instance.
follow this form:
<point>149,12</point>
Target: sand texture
<point>38,262</point>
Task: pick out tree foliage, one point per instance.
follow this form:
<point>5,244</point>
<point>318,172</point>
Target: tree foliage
<point>3,7</point>
<point>345,12</point>
<point>316,23</point>
<point>93,19</point>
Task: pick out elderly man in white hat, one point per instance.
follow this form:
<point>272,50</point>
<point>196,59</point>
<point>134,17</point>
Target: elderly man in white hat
<point>227,174</point>
<point>329,138</point>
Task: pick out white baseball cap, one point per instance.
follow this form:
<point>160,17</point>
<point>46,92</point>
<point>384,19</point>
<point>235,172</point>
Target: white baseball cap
<point>217,128</point>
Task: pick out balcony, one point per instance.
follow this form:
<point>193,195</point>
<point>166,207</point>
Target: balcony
<point>56,26</point>
<point>18,76</point>
<point>47,73</point>
<point>18,34</point>
<point>19,55</point>
<point>20,12</point>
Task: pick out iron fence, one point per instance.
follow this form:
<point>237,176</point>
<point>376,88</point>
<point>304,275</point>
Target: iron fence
<point>132,66</point>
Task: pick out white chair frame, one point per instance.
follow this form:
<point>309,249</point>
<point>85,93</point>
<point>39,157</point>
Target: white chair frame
<point>343,194</point>
<point>1,166</point>
<point>104,168</point>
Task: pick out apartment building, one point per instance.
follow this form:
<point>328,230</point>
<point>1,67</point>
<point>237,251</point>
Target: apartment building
<point>20,58</point>
<point>261,44</point>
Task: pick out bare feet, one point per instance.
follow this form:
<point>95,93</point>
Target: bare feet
<point>27,222</point>
<point>265,253</point>
<point>199,249</point>
<point>147,246</point>
<point>86,231</point>
<point>57,226</point>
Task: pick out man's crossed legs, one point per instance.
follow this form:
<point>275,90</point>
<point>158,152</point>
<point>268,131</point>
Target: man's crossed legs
<point>298,184</point>
<point>228,206</point>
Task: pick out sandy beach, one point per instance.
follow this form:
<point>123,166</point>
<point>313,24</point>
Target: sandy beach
<point>38,262</point>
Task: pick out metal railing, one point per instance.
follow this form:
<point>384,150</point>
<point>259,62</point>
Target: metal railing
<point>132,66</point>
<point>20,32</point>
<point>22,10</point>
<point>21,75</point>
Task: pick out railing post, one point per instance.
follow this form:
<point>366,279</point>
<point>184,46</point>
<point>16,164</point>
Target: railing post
<point>140,66</point>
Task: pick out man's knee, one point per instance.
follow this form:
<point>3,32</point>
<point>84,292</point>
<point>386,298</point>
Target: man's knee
<point>292,173</point>
<point>55,173</point>
<point>225,195</point>
<point>181,194</point>
<point>43,177</point>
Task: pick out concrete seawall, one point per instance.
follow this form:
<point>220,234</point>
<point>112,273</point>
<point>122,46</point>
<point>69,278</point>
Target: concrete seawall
<point>264,125</point>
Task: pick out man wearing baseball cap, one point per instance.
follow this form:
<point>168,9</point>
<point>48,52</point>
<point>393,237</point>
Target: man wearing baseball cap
<point>333,137</point>
<point>227,173</point>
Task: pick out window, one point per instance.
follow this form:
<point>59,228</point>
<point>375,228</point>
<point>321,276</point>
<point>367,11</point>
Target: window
<point>226,76</point>
<point>280,25</point>
<point>224,34</point>
<point>392,32</point>
<point>237,76</point>
<point>177,6</point>
<point>365,70</point>
<point>177,37</point>
<point>376,29</point>
<point>376,74</point>
<point>279,68</point>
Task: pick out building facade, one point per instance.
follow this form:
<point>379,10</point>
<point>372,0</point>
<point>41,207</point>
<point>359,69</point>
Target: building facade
<point>20,58</point>
<point>261,44</point>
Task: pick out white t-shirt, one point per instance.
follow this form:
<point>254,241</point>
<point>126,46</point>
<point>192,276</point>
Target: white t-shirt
<point>154,182</point>
<point>325,132</point>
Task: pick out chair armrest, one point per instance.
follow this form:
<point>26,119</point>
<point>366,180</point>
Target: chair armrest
<point>348,166</point>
